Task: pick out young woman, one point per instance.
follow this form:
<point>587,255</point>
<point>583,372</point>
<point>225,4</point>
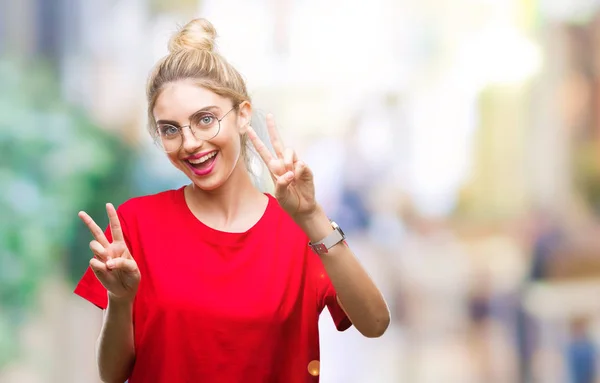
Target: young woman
<point>217,281</point>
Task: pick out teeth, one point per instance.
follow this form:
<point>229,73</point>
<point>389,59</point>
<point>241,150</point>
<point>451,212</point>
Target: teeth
<point>203,158</point>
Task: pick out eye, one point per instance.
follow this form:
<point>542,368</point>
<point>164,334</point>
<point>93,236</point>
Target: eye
<point>206,120</point>
<point>168,130</point>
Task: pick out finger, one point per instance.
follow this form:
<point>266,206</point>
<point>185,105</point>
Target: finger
<point>117,250</point>
<point>124,264</point>
<point>289,158</point>
<point>274,135</point>
<point>94,228</point>
<point>97,266</point>
<point>298,170</point>
<point>281,186</point>
<point>115,225</point>
<point>301,171</point>
<point>260,147</point>
<point>98,250</point>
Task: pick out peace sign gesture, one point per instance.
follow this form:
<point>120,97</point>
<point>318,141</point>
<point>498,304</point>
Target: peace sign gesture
<point>294,186</point>
<point>113,264</point>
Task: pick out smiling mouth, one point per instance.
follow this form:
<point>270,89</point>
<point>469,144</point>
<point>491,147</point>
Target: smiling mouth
<point>204,162</point>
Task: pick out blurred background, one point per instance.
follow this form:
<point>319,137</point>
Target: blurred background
<point>457,143</point>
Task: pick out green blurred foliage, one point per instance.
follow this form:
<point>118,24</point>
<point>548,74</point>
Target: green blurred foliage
<point>53,162</point>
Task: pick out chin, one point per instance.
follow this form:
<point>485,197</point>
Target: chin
<point>210,182</point>
<point>206,185</point>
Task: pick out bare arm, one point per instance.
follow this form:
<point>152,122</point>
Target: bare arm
<point>115,349</point>
<point>118,272</point>
<point>357,293</point>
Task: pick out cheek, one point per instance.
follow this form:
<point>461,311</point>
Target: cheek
<point>233,144</point>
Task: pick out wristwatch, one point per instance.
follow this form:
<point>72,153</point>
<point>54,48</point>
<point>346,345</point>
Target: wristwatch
<point>323,246</point>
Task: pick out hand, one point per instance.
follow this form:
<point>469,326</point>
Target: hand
<point>113,264</point>
<point>294,185</point>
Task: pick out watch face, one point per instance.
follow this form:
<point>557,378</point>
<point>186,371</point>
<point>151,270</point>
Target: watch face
<point>337,227</point>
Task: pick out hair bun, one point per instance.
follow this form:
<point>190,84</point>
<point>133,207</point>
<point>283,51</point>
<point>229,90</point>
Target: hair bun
<point>197,34</point>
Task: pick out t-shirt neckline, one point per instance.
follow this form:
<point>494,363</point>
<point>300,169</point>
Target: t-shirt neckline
<point>222,237</point>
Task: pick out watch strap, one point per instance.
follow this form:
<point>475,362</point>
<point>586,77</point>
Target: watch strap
<point>335,237</point>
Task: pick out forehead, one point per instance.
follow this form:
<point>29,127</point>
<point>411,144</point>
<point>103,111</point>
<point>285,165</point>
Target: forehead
<point>178,100</point>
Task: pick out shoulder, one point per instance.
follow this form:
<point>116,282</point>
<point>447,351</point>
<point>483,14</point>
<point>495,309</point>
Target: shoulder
<point>276,212</point>
<point>280,222</point>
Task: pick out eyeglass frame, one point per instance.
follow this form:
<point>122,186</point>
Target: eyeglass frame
<point>192,130</point>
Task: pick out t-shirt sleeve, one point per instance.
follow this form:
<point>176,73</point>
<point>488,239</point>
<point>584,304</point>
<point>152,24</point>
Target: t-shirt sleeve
<point>89,287</point>
<point>326,294</point>
<point>341,320</point>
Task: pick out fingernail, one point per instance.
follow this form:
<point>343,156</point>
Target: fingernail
<point>289,176</point>
<point>110,263</point>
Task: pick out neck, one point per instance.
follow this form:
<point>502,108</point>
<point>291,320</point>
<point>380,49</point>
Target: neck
<point>228,202</point>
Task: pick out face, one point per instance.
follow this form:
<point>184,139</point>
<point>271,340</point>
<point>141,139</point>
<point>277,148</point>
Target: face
<point>208,163</point>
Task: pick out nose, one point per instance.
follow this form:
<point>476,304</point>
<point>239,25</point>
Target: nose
<point>190,143</point>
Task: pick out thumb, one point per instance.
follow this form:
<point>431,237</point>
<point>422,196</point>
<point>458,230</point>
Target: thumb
<point>281,186</point>
<point>123,264</point>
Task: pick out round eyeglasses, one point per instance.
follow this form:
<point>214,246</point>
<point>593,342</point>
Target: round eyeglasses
<point>203,125</point>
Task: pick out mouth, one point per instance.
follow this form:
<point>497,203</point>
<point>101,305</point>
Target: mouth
<point>203,165</point>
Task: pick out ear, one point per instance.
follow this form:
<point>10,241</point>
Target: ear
<point>244,116</point>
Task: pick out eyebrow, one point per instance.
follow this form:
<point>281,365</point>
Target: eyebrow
<point>191,117</point>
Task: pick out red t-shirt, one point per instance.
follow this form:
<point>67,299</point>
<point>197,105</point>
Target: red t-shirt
<point>225,307</point>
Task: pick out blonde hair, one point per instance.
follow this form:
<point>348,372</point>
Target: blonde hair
<point>192,56</point>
